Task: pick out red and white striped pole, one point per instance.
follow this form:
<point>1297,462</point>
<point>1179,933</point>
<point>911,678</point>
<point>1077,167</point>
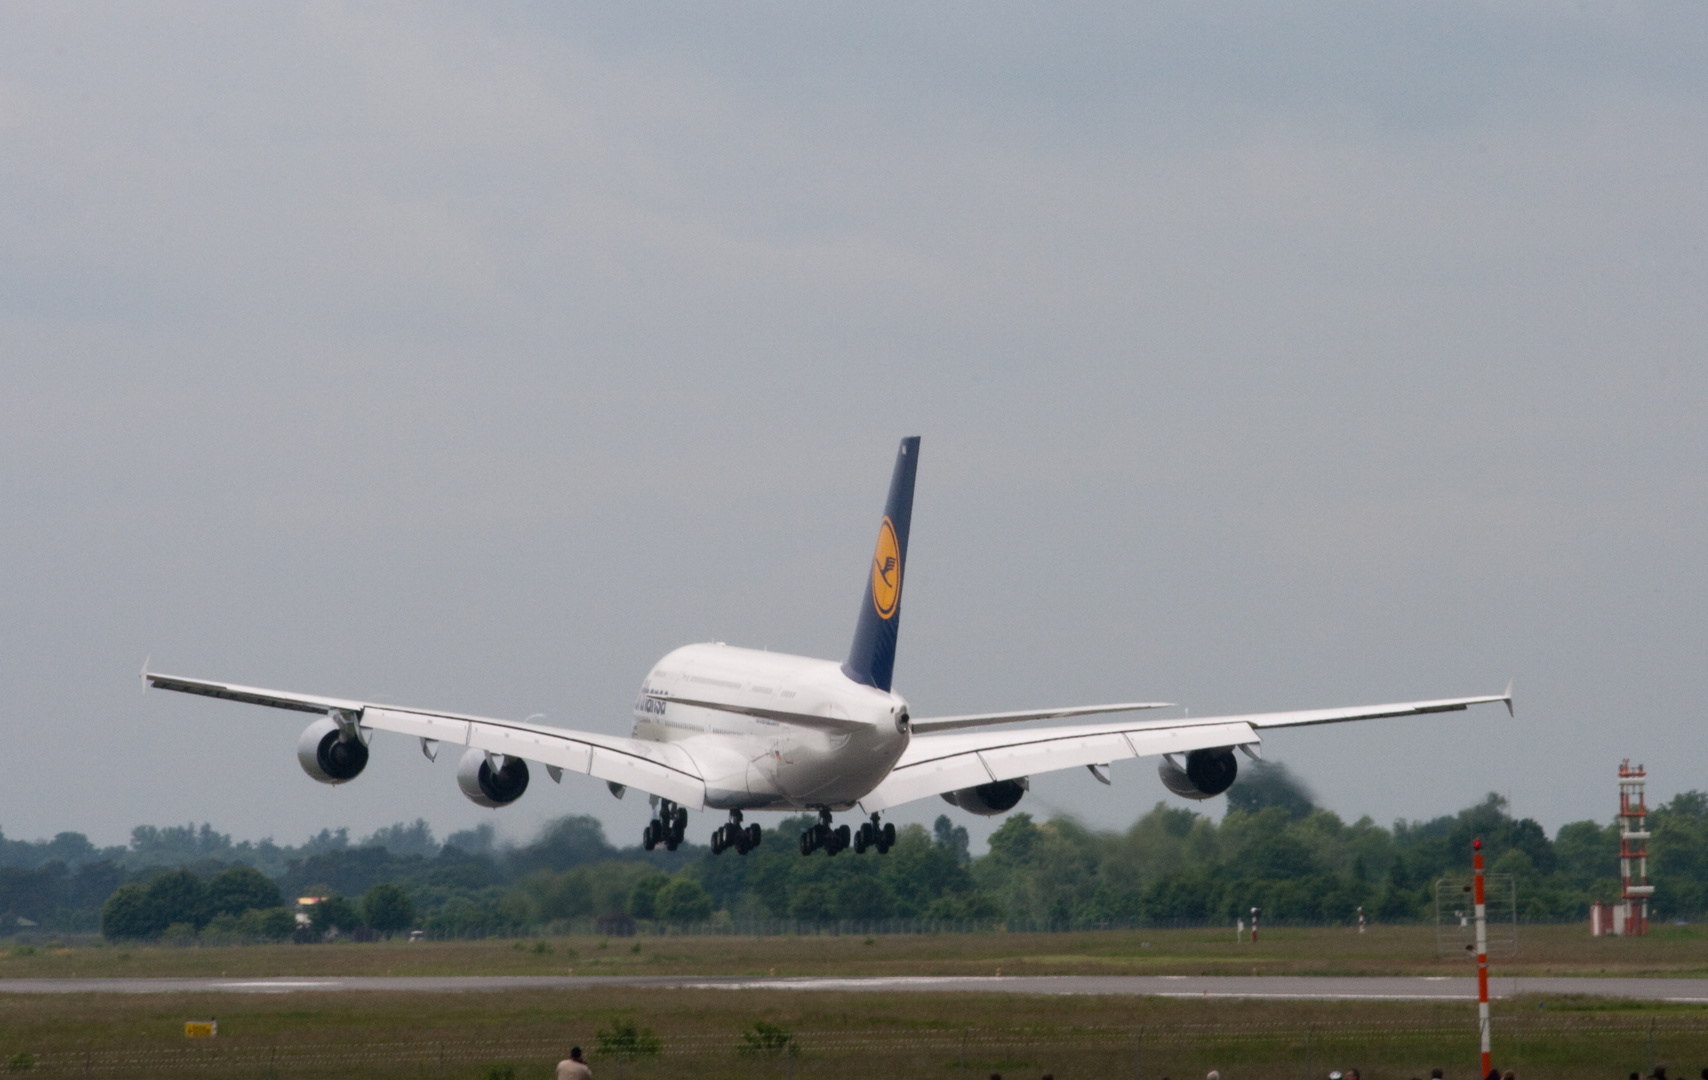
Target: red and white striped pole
<point>1482,957</point>
<point>1254,926</point>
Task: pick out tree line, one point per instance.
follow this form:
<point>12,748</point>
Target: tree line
<point>1274,848</point>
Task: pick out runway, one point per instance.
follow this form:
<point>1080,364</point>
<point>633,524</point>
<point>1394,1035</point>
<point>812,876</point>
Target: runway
<point>1286,987</point>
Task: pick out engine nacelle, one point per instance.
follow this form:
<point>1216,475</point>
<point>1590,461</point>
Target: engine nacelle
<point>1208,773</point>
<point>328,755</point>
<point>488,787</point>
<point>987,800</point>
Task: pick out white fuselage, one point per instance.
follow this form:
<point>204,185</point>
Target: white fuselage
<point>761,764</point>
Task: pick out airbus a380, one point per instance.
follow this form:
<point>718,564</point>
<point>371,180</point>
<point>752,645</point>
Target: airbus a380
<point>724,728</point>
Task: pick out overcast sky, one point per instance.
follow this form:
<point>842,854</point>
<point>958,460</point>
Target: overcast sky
<point>472,357</point>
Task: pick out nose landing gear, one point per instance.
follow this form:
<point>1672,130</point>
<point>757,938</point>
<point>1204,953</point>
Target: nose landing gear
<point>732,835</point>
<point>667,828</point>
<point>872,834</point>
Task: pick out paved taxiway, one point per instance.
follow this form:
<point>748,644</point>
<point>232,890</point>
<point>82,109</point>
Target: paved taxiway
<point>1291,987</point>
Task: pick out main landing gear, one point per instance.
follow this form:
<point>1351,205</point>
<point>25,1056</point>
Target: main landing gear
<point>833,840</point>
<point>731,835</point>
<point>872,834</point>
<point>667,828</point>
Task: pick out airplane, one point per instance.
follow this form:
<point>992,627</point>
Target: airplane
<point>718,727</point>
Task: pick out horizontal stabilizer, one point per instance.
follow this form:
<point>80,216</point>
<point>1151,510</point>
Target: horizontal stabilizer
<point>949,723</point>
<point>807,720</point>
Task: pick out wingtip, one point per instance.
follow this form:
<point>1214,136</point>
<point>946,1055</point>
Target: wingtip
<point>1507,697</point>
<point>143,674</point>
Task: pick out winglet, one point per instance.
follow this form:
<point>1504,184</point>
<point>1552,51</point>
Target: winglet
<point>1508,698</point>
<point>143,674</point>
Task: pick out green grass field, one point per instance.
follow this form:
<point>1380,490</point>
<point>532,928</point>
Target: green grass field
<point>953,1037</point>
<point>1391,950</point>
<point>949,1036</point>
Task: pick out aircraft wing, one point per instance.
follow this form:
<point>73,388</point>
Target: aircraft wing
<point>934,764</point>
<point>662,769</point>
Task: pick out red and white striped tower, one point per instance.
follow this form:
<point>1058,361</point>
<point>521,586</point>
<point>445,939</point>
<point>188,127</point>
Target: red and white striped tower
<point>1482,957</point>
<point>1633,848</point>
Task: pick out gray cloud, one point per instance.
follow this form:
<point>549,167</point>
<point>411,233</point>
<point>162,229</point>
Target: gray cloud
<point>1265,358</point>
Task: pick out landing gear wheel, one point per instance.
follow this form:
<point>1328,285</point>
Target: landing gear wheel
<point>838,839</point>
<point>888,840</point>
<point>753,835</point>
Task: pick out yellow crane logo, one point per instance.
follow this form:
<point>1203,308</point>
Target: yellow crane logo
<point>886,571</point>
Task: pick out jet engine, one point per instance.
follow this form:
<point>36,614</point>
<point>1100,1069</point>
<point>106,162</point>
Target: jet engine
<point>489,787</point>
<point>1207,774</point>
<point>329,755</point>
<point>987,800</point>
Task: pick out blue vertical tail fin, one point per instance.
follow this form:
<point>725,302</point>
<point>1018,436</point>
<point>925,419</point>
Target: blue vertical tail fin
<point>872,659</point>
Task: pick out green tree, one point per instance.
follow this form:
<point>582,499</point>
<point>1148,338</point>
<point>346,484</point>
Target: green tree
<point>180,897</point>
<point>239,888</point>
<point>812,901</point>
<point>334,913</point>
<point>130,913</point>
<point>683,901</point>
<point>388,909</point>
<point>643,896</point>
<point>952,838</point>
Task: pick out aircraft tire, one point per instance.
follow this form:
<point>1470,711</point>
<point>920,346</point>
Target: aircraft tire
<point>753,835</point>
<point>889,835</point>
<point>806,842</point>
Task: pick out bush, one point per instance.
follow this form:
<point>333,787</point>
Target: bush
<point>221,925</point>
<point>766,1038</point>
<point>622,1038</point>
<point>270,924</point>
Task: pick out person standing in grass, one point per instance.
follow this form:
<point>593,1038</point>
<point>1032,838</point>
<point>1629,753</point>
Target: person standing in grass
<point>573,1068</point>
